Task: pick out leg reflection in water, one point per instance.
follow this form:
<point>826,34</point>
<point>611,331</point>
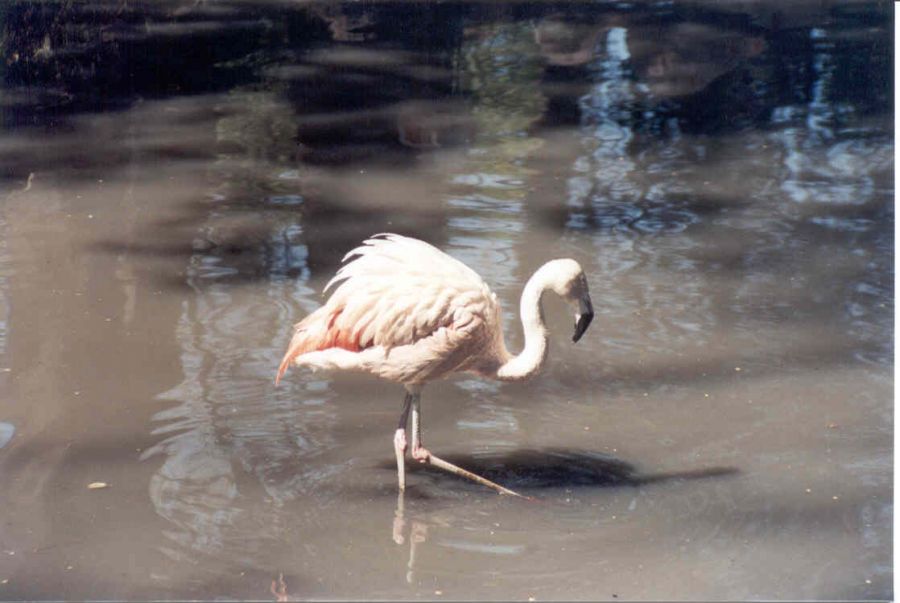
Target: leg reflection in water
<point>418,533</point>
<point>279,589</point>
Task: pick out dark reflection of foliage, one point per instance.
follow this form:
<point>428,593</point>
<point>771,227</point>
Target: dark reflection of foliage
<point>500,67</point>
<point>763,68</point>
<point>861,68</point>
<point>265,128</point>
<point>566,42</point>
<point>107,54</point>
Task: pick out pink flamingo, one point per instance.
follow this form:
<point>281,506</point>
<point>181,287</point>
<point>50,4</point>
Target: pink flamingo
<point>407,312</point>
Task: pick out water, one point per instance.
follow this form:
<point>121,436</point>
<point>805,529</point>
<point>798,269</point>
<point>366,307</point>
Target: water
<point>181,179</point>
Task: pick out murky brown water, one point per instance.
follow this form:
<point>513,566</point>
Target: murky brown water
<point>181,179</point>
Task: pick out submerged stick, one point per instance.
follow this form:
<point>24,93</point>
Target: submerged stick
<point>442,464</point>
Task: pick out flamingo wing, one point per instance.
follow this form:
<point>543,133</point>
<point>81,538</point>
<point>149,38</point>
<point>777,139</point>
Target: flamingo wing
<point>392,291</point>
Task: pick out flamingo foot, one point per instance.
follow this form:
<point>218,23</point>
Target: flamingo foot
<point>421,454</point>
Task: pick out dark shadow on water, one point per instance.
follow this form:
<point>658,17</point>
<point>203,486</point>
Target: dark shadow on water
<point>554,468</point>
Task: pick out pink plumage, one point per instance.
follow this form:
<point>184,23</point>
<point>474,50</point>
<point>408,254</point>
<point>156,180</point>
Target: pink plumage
<point>398,292</point>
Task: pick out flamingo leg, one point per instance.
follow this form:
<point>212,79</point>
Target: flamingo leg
<point>423,455</point>
<point>418,450</point>
<point>400,442</point>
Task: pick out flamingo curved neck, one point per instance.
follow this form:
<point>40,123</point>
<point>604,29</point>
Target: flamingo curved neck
<point>532,357</point>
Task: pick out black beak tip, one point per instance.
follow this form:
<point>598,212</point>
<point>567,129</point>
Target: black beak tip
<point>581,326</point>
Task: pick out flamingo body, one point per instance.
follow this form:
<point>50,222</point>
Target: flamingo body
<point>403,311</point>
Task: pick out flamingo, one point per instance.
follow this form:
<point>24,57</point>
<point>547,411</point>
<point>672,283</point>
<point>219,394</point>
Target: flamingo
<point>407,312</point>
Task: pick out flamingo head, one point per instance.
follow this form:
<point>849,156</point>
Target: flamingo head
<point>570,283</point>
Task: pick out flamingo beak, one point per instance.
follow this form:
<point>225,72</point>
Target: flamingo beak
<point>583,318</point>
